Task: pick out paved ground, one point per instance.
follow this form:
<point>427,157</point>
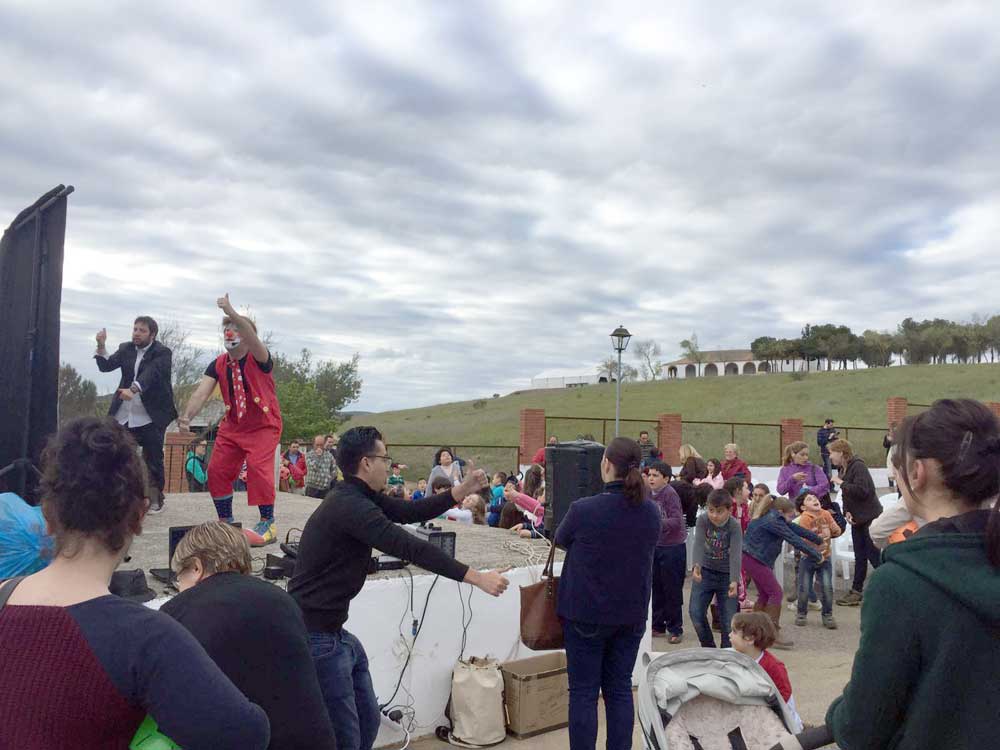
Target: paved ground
<point>818,666</point>
<point>484,547</point>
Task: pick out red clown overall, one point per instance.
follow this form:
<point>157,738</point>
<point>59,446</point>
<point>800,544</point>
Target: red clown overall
<point>249,432</point>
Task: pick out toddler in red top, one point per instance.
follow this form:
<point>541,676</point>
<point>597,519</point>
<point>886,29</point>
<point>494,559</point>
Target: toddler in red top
<point>752,633</point>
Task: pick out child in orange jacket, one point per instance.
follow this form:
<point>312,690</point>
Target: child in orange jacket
<point>820,522</point>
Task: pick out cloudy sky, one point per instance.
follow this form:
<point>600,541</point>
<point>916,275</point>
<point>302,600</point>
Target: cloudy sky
<point>469,193</point>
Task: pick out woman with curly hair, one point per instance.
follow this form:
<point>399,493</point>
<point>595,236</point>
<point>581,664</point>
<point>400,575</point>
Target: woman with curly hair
<point>88,666</point>
<point>445,466</point>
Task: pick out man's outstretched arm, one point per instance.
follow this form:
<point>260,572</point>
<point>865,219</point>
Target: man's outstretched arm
<point>196,402</point>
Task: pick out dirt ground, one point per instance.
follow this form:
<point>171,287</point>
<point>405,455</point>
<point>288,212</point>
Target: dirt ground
<point>818,666</point>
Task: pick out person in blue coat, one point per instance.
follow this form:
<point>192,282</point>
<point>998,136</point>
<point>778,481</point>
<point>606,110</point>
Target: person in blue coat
<point>604,593</point>
<point>761,547</point>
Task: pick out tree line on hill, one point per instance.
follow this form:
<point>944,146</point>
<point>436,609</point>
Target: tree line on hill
<point>311,394</point>
<point>936,341</point>
<point>829,346</point>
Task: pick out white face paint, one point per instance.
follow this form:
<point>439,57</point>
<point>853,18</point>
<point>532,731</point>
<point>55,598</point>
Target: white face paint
<point>231,337</point>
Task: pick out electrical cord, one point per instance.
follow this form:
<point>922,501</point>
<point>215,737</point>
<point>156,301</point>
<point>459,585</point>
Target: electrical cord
<point>465,622</point>
<point>416,633</point>
<point>257,560</point>
<point>533,554</point>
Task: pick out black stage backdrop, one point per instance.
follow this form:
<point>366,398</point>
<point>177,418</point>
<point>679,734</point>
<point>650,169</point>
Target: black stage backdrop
<point>31,267</point>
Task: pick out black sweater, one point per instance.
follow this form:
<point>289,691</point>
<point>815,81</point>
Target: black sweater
<point>858,491</point>
<point>337,543</point>
<point>255,634</point>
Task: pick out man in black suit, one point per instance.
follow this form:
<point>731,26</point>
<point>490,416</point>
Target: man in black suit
<point>144,401</point>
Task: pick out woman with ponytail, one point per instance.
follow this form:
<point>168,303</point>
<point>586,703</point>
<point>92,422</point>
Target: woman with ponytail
<point>604,593</point>
<point>925,673</point>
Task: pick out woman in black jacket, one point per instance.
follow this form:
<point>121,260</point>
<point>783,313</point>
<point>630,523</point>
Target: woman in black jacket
<point>861,507</point>
<point>604,592</point>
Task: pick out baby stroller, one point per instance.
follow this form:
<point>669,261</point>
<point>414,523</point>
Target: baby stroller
<point>711,699</point>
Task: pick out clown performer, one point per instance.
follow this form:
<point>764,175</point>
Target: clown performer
<point>250,430</point>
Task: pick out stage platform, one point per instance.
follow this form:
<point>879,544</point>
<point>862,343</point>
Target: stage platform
<point>480,546</point>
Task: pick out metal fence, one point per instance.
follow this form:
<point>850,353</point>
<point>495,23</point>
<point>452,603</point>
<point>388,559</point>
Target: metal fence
<point>866,442</point>
<point>759,442</point>
<point>418,457</point>
<point>174,457</point>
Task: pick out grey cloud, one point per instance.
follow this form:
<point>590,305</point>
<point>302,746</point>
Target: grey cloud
<point>494,202</point>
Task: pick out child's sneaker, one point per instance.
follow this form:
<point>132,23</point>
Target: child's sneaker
<point>815,606</point>
<point>829,623</point>
<point>801,620</point>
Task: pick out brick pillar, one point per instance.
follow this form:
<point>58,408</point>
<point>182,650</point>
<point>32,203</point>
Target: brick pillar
<point>895,410</point>
<point>532,433</point>
<point>175,449</point>
<point>791,431</point>
<point>994,407</point>
<point>668,437</point>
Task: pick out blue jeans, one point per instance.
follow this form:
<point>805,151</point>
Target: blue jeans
<point>713,585</point>
<point>808,569</point>
<point>600,659</point>
<point>827,466</point>
<point>669,569</point>
<point>342,668</point>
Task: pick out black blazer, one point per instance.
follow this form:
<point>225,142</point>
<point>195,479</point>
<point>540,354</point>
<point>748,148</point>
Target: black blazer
<point>153,378</point>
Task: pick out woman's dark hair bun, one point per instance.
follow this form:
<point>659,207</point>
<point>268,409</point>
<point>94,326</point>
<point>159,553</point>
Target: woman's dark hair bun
<point>93,483</point>
<point>963,436</point>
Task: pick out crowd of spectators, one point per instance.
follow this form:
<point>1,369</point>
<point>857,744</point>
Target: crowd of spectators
<point>931,603</point>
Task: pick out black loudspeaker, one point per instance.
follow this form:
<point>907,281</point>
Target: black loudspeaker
<point>572,471</point>
<point>31,264</point>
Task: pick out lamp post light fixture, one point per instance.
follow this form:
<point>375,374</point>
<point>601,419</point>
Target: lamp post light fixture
<point>619,342</point>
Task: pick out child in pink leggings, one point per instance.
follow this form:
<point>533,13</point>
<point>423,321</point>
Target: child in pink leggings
<point>761,547</point>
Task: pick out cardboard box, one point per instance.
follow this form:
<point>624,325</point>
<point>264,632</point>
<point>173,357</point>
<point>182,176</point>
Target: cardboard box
<point>536,693</point>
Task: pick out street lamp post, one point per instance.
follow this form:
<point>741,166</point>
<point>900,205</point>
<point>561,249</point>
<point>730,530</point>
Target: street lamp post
<point>619,341</point>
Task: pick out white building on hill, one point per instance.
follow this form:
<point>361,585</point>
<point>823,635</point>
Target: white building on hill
<point>716,363</point>
<point>722,362</point>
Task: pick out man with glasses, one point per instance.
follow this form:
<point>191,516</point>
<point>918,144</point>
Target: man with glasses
<point>334,552</point>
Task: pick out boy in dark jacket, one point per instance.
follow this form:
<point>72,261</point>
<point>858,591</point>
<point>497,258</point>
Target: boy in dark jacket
<point>670,556</point>
<point>718,543</point>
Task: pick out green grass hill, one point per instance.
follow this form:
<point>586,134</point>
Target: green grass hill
<point>854,398</point>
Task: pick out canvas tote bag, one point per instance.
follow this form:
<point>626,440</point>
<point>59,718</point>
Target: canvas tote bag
<point>476,709</point>
<point>540,626</point>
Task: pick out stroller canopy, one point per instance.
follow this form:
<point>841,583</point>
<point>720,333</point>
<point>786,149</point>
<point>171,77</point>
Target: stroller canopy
<point>703,699</point>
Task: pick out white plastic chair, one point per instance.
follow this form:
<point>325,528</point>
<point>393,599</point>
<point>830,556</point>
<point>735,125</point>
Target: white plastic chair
<point>842,551</point>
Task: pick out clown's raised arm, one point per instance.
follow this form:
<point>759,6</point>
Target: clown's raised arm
<point>240,329</point>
